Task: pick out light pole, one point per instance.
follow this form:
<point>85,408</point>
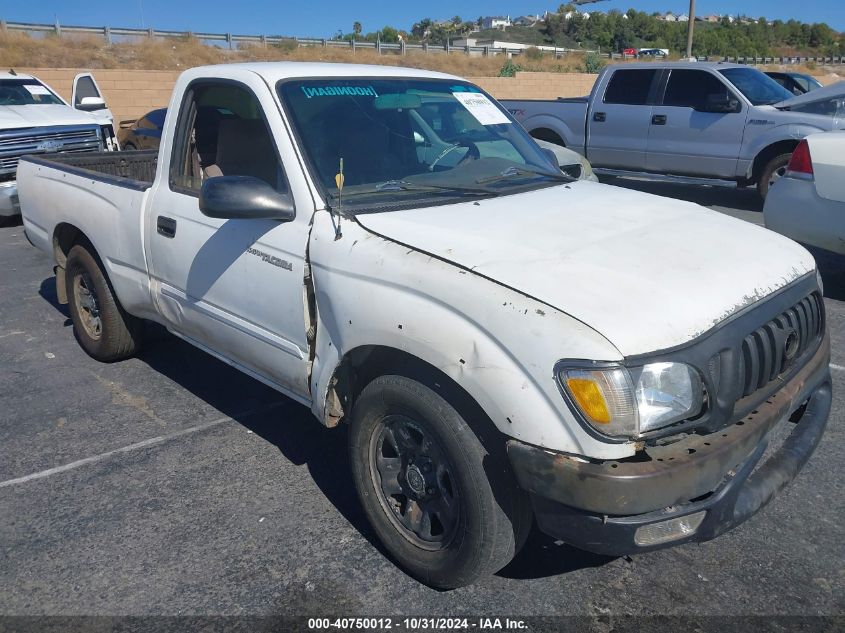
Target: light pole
<point>690,27</point>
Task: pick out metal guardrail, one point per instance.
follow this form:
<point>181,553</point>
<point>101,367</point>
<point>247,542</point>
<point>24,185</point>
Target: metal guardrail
<point>231,39</point>
<point>108,32</point>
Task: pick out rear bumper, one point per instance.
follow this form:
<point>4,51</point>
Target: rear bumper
<point>795,209</point>
<point>9,204</point>
<point>718,479</point>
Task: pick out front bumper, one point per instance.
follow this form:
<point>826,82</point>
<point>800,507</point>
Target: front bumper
<point>601,506</point>
<point>9,204</point>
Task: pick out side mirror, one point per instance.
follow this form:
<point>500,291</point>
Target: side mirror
<point>244,197</point>
<point>90,104</point>
<point>720,103</point>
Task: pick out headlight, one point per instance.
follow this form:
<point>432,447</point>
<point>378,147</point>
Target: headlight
<point>630,402</point>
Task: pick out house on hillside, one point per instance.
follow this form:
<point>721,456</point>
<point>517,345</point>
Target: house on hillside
<point>668,17</point>
<point>526,20</point>
<point>496,22</point>
<point>683,18</point>
<point>712,18</point>
<point>571,14</point>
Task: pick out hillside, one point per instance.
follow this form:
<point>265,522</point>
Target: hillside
<point>615,31</point>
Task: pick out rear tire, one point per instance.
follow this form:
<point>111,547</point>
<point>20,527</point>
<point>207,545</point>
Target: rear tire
<point>103,328</point>
<point>128,147</point>
<point>772,172</point>
<point>446,509</point>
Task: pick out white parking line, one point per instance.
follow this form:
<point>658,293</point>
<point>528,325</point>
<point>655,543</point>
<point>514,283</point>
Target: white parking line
<point>153,441</point>
<point>837,367</point>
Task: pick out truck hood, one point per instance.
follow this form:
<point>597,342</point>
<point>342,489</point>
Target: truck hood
<point>828,92</point>
<point>648,273</point>
<point>12,117</point>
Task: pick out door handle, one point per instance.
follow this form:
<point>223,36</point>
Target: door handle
<point>166,226</point>
<point>599,117</point>
<point>658,119</point>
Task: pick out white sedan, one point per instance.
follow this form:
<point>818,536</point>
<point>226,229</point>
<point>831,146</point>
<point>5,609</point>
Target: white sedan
<point>808,202</point>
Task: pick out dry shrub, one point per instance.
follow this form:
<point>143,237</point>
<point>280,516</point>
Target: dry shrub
<point>19,49</point>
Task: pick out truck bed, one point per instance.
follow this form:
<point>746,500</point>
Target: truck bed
<point>560,120</point>
<point>101,195</point>
<point>135,170</point>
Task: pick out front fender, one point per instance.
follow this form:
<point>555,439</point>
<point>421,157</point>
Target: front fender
<point>783,132</point>
<point>497,344</point>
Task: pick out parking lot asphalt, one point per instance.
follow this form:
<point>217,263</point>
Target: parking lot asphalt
<point>172,484</point>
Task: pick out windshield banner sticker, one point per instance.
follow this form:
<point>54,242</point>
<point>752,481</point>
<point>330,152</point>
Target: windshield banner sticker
<point>481,108</point>
<point>35,89</point>
<point>340,91</point>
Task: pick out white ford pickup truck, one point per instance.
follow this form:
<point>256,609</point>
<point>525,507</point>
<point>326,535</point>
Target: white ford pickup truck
<point>34,119</point>
<point>390,248</point>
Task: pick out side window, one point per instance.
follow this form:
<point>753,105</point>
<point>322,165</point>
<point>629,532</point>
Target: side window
<point>222,131</point>
<point>629,87</point>
<point>803,84</point>
<point>781,79</point>
<point>690,88</point>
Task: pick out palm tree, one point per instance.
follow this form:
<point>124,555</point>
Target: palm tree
<point>356,28</point>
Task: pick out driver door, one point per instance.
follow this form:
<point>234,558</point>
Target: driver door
<point>232,286</point>
<point>685,140</point>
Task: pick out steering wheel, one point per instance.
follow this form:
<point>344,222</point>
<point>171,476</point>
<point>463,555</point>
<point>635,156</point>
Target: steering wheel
<point>473,153</point>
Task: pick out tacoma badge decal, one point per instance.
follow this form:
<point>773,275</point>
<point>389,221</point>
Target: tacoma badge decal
<point>270,259</point>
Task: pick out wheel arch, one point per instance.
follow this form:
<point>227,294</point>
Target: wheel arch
<point>359,366</point>
<point>768,153</point>
<point>552,129</point>
<point>65,237</point>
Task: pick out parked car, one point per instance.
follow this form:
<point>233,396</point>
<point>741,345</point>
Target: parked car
<point>796,83</point>
<point>808,203</point>
<point>692,119</point>
<point>570,163</point>
<point>34,119</point>
<point>630,52</point>
<point>143,133</point>
<point>502,339</point>
<point>653,52</point>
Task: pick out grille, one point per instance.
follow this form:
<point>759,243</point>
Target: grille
<point>770,349</point>
<point>16,144</point>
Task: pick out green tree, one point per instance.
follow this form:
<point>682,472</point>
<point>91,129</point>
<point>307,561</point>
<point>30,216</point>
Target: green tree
<point>389,34</point>
<point>356,28</point>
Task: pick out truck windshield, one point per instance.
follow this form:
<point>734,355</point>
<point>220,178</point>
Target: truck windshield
<point>15,92</point>
<point>758,88</point>
<point>414,138</point>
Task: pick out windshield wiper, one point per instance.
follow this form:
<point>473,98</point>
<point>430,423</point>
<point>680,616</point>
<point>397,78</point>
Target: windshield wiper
<point>406,185</point>
<point>517,171</point>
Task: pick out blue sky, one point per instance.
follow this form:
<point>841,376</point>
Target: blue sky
<point>322,18</point>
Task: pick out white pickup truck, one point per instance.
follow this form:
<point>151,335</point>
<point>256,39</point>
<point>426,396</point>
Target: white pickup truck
<point>390,248</point>
<point>34,119</point>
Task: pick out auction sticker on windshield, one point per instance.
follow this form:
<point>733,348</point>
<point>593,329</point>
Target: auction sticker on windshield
<point>481,108</point>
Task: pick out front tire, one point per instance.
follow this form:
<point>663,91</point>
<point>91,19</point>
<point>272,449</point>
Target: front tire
<point>772,172</point>
<point>447,509</point>
<point>104,330</point>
